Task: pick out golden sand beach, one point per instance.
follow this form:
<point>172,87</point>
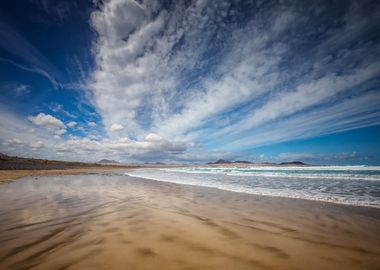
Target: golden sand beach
<point>112,221</point>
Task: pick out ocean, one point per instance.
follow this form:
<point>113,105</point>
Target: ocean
<point>352,185</point>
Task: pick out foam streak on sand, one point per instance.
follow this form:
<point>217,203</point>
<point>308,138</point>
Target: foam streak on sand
<point>352,185</point>
<point>113,221</point>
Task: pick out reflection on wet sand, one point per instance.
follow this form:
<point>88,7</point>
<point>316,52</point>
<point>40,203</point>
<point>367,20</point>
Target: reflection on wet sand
<point>111,221</point>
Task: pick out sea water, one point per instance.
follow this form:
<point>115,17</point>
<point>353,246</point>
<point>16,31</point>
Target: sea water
<point>353,185</point>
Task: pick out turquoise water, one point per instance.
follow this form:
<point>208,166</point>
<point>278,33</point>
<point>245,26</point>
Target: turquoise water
<point>353,185</point>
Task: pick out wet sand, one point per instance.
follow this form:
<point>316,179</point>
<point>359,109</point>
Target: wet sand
<point>112,221</point>
<point>11,175</point>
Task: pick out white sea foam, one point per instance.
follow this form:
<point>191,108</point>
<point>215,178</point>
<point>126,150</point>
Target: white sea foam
<point>351,185</point>
<point>286,168</point>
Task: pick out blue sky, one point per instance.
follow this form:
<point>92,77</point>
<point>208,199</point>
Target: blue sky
<point>191,81</point>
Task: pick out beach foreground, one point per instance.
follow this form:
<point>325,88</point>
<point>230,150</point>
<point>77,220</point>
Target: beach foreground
<point>113,221</point>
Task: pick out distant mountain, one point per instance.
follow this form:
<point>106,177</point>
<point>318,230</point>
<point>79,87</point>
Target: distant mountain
<point>3,155</point>
<point>223,161</point>
<point>220,161</point>
<point>107,161</point>
<point>21,163</point>
<point>298,163</point>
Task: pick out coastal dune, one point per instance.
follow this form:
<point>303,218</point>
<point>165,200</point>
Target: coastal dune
<point>113,221</point>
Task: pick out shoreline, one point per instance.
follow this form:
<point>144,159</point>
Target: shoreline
<point>261,197</point>
<point>258,194</point>
<point>7,176</point>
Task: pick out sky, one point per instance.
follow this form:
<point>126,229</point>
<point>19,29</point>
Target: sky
<point>191,81</point>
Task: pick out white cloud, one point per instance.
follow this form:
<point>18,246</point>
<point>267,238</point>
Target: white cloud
<point>151,137</point>
<point>58,108</point>
<point>22,90</point>
<point>60,132</point>
<point>47,121</point>
<point>91,124</point>
<point>123,148</point>
<point>71,124</point>
<point>52,124</point>
<point>115,127</point>
<point>21,139</point>
<point>16,142</point>
<point>37,145</point>
<point>126,69</point>
<point>80,128</point>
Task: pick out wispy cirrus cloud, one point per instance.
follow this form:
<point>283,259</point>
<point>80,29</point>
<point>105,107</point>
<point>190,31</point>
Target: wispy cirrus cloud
<point>30,58</point>
<point>22,90</point>
<point>236,75</point>
<point>57,10</point>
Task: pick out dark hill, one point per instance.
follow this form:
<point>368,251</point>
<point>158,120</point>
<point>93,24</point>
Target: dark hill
<point>107,161</point>
<point>298,163</point>
<point>220,161</point>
